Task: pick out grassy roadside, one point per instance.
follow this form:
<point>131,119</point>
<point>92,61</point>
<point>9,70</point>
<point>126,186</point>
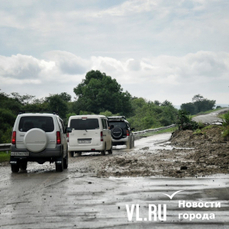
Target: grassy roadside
<point>4,156</point>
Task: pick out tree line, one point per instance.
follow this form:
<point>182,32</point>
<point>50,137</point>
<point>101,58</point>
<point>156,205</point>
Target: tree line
<point>199,104</point>
<point>96,94</point>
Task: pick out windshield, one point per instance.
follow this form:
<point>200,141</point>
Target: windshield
<point>28,122</point>
<point>84,124</point>
<point>119,124</point>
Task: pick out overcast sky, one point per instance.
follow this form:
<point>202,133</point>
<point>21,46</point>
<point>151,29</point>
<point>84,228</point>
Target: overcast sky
<point>156,49</point>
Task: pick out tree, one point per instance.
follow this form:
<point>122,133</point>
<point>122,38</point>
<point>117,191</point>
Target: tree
<point>199,104</point>
<point>65,96</point>
<point>99,92</point>
<point>147,114</point>
<point>57,104</point>
<point>23,99</point>
<point>197,98</point>
<point>185,122</point>
<point>6,122</point>
<point>166,103</point>
<point>189,107</point>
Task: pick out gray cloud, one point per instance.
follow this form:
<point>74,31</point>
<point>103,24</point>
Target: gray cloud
<point>19,66</point>
<point>156,49</point>
<point>68,62</point>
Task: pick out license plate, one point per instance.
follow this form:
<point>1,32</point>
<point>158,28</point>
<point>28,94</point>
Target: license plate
<point>19,153</point>
<point>84,141</point>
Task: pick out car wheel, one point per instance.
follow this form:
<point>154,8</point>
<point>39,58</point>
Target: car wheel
<point>66,162</point>
<point>59,165</point>
<point>32,137</point>
<point>103,152</point>
<point>110,150</point>
<point>128,144</point>
<point>15,168</point>
<point>23,165</point>
<point>133,143</point>
<point>117,132</point>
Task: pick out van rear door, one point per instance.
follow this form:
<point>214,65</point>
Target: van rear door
<point>85,131</point>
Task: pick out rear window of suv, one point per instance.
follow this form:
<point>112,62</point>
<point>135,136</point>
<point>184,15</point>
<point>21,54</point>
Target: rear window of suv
<point>28,122</point>
<point>84,124</point>
<point>118,123</point>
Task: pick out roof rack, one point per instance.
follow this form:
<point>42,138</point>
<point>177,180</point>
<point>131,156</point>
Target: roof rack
<point>116,117</point>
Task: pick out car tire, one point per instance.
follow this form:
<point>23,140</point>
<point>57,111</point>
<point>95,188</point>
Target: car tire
<point>15,168</point>
<point>128,144</point>
<point>117,132</point>
<point>110,150</point>
<point>103,152</point>
<point>23,165</point>
<point>60,166</point>
<point>32,137</point>
<point>66,162</point>
<point>133,143</point>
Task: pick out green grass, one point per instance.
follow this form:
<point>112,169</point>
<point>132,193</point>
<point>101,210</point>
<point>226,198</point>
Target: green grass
<point>4,156</point>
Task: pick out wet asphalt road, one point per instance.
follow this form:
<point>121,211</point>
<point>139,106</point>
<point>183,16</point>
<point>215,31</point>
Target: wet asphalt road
<point>42,198</point>
<point>211,117</point>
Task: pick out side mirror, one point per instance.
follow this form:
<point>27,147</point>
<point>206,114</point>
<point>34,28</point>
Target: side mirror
<point>68,130</point>
<point>111,127</point>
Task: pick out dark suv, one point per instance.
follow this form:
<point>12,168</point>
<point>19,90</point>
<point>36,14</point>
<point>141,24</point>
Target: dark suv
<point>120,131</point>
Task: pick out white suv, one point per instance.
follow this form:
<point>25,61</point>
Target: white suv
<point>88,133</point>
<point>40,138</point>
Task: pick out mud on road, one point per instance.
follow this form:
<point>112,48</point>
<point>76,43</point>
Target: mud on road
<point>186,155</point>
<point>181,154</point>
<point>77,198</point>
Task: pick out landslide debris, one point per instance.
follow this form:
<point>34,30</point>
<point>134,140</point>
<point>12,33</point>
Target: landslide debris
<point>194,154</point>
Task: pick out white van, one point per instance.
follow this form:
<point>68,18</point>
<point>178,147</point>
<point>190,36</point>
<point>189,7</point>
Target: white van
<point>88,133</point>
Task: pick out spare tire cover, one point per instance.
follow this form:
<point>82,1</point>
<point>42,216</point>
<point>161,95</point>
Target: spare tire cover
<point>35,140</point>
<point>117,132</point>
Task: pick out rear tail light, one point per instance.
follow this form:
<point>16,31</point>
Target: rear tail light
<point>67,137</point>
<point>58,138</point>
<point>13,139</point>
<point>127,133</point>
<point>101,136</point>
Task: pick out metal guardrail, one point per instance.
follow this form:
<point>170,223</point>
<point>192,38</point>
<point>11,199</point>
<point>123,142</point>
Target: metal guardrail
<point>138,133</point>
<point>5,147</point>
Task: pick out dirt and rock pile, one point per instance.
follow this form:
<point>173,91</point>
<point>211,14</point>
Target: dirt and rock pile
<point>194,154</point>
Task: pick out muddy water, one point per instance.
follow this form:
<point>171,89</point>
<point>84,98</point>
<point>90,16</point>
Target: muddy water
<point>76,198</point>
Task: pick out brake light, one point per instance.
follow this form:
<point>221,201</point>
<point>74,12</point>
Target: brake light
<point>127,133</point>
<point>101,136</point>
<point>58,138</point>
<point>67,137</point>
<point>13,139</point>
